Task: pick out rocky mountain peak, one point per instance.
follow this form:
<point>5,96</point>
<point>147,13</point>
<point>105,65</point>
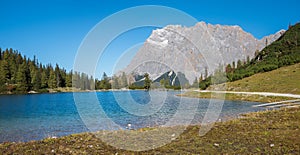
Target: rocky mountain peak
<point>190,50</point>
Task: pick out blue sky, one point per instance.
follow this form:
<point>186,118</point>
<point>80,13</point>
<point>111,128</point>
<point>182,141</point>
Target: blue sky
<point>53,29</point>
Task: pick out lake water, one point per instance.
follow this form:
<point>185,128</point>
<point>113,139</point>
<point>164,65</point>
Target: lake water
<point>37,116</point>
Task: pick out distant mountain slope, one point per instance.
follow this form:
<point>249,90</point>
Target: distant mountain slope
<point>167,80</point>
<point>283,52</point>
<point>192,49</point>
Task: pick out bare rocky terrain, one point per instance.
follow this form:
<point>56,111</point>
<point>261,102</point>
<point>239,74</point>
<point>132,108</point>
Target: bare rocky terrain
<point>190,50</point>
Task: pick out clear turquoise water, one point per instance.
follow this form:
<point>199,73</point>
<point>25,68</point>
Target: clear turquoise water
<point>37,116</point>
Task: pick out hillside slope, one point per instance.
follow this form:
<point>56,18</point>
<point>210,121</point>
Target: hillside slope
<point>282,80</point>
<point>283,52</point>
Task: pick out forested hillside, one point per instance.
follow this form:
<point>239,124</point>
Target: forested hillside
<point>283,52</point>
<point>19,74</point>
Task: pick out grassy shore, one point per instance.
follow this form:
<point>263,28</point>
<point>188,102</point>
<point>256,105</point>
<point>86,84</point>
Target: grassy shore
<point>238,97</point>
<point>267,132</point>
<point>282,80</point>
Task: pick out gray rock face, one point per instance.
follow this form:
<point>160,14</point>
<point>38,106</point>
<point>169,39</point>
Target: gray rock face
<point>192,49</point>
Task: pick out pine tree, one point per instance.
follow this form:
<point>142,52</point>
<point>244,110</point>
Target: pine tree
<point>22,83</point>
<point>147,83</point>
<point>27,73</point>
<point>239,64</point>
<point>195,83</point>
<point>124,82</point>
<point>201,78</point>
<point>5,71</point>
<point>13,69</point>
<point>248,59</point>
<point>58,76</point>
<point>104,83</point>
<point>104,76</point>
<point>32,69</point>
<point>82,83</point>
<point>36,80</point>
<point>115,82</point>
<point>167,83</point>
<point>52,83</point>
<point>228,69</point>
<point>2,79</point>
<point>85,81</point>
<point>162,82</point>
<point>63,75</point>
<point>76,80</point>
<point>6,66</point>
<point>69,79</point>
<point>205,73</point>
<point>92,83</point>
<point>44,80</point>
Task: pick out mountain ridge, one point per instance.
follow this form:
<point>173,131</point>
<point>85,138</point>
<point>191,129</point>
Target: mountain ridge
<point>191,50</point>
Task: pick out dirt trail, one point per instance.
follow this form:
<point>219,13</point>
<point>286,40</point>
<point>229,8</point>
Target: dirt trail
<point>253,93</point>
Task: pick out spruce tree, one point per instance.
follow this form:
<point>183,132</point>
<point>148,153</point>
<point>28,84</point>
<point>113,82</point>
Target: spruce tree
<point>195,83</point>
<point>5,71</point>
<point>201,78</point>
<point>92,83</point>
<point>69,79</point>
<point>36,80</point>
<point>58,76</point>
<point>147,83</point>
<point>115,82</point>
<point>63,76</point>
<point>22,85</point>
<point>44,79</point>
<point>52,83</point>
<point>13,69</point>
<point>104,83</point>
<point>124,82</point>
<point>2,79</point>
<point>162,82</point>
<point>76,80</point>
<point>32,69</point>
<point>167,83</point>
<point>239,64</point>
<point>205,73</point>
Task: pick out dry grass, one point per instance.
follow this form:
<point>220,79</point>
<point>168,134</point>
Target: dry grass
<point>282,80</point>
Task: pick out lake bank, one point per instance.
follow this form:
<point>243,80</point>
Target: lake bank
<point>270,132</point>
<point>194,93</point>
<point>234,96</point>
